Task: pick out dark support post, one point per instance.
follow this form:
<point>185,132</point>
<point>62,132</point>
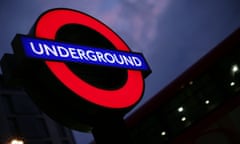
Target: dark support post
<point>113,131</point>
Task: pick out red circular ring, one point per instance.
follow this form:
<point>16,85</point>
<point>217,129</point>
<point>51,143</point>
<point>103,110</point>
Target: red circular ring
<point>48,25</point>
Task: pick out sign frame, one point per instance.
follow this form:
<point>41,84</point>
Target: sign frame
<point>47,26</point>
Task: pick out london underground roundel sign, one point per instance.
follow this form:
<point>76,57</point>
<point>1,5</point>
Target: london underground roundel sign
<point>57,54</point>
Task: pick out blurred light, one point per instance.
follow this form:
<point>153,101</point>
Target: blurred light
<point>232,83</point>
<point>180,109</point>
<point>235,68</point>
<point>207,101</point>
<point>16,141</point>
<point>183,119</point>
<point>163,133</point>
<point>191,82</point>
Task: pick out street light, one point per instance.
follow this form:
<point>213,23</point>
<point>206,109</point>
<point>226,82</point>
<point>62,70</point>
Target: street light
<point>16,141</point>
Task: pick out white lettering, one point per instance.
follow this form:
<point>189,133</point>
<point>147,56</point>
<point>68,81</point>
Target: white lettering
<point>63,52</point>
<point>81,54</point>
<point>100,57</point>
<point>73,53</point>
<point>91,56</point>
<point>49,50</point>
<point>117,60</point>
<point>128,60</point>
<point>38,52</point>
<point>137,61</point>
<point>109,58</point>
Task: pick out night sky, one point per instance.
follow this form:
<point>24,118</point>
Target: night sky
<point>172,35</point>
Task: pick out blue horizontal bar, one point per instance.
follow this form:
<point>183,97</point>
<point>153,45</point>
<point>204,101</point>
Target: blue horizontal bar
<point>65,52</point>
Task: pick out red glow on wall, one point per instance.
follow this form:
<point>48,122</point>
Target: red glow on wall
<point>126,96</point>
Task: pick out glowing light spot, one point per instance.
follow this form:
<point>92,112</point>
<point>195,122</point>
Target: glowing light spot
<point>232,83</point>
<point>235,68</point>
<point>207,102</point>
<point>163,133</point>
<point>191,82</point>
<point>183,119</point>
<point>16,141</point>
<point>180,109</point>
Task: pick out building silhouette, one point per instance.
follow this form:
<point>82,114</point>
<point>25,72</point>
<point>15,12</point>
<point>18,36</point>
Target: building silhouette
<point>201,106</point>
<point>21,119</point>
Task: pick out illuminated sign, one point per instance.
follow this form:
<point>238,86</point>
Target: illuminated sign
<point>65,52</point>
<point>126,96</point>
<point>77,69</point>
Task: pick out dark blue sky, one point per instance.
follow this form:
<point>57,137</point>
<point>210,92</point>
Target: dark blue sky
<point>172,35</point>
